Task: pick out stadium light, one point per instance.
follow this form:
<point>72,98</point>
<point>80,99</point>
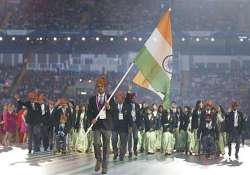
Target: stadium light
<point>27,38</point>
<point>242,38</point>
<point>197,39</point>
<point>125,39</point>
<point>83,38</point>
<point>55,38</point>
<point>183,39</point>
<point>1,38</point>
<point>140,39</point>
<point>83,93</point>
<point>97,38</point>
<point>212,39</point>
<point>111,39</point>
<point>68,38</point>
<point>13,38</point>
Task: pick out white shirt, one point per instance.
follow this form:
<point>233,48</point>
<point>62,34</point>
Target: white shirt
<point>33,106</point>
<point>133,112</point>
<point>149,116</point>
<point>154,113</point>
<point>51,110</point>
<point>235,118</point>
<point>43,109</point>
<point>209,125</point>
<point>199,112</point>
<point>63,110</point>
<point>101,98</point>
<point>120,107</point>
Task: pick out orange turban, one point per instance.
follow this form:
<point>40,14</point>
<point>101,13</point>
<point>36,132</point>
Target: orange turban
<point>102,81</point>
<point>209,103</point>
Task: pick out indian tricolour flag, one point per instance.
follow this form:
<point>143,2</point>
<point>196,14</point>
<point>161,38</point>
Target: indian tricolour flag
<point>154,61</point>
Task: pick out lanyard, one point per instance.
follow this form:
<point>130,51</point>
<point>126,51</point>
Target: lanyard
<point>97,104</point>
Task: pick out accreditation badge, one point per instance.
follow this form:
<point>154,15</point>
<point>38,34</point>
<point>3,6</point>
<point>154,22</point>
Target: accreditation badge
<point>103,115</point>
<point>133,116</point>
<point>120,116</point>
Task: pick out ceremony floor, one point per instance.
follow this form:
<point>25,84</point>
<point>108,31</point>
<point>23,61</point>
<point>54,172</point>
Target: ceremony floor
<point>15,160</point>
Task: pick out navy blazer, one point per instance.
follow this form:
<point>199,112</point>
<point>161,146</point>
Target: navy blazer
<point>230,122</point>
<point>92,112</point>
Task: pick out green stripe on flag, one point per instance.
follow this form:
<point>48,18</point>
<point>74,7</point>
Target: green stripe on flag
<point>153,72</point>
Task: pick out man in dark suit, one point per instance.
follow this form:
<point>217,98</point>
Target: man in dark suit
<point>103,126</point>
<point>234,124</point>
<point>50,114</point>
<point>136,122</point>
<point>122,123</point>
<point>44,122</point>
<point>33,120</point>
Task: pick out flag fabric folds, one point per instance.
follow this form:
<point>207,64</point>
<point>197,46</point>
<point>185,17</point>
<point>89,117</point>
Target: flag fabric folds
<point>154,61</point>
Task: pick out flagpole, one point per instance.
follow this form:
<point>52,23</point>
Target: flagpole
<point>113,93</point>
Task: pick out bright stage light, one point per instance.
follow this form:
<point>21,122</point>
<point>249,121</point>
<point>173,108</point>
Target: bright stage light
<point>241,40</point>
<point>13,38</point>
<point>140,39</point>
<point>212,39</point>
<point>68,38</point>
<point>183,39</point>
<point>55,38</point>
<point>83,38</point>
<point>83,93</point>
<point>197,39</point>
<point>111,39</point>
<point>27,38</point>
<point>125,39</point>
<point>1,38</point>
<point>97,38</point>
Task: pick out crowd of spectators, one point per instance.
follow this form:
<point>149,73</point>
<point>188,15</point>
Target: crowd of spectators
<point>222,16</point>
<point>220,85</point>
<point>53,84</point>
<point>136,15</point>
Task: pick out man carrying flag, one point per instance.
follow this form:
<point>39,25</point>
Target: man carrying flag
<point>154,64</point>
<point>102,127</point>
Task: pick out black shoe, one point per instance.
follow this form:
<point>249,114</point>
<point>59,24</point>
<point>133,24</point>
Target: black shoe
<point>97,166</point>
<point>29,151</point>
<point>104,170</point>
<point>115,157</point>
<point>130,155</point>
<point>136,153</point>
<point>121,158</point>
<point>236,156</point>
